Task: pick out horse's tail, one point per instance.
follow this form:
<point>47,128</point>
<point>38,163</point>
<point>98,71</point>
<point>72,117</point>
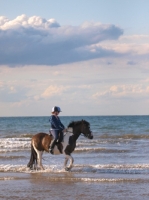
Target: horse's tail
<point>33,158</point>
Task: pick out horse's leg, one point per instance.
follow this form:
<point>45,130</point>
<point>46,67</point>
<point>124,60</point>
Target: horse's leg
<point>33,158</point>
<point>68,157</point>
<point>71,162</point>
<point>39,157</point>
<point>40,160</point>
<point>65,162</point>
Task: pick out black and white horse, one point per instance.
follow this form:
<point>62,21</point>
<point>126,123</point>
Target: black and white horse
<point>41,142</point>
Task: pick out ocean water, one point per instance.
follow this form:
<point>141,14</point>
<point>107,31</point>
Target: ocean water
<point>114,165</point>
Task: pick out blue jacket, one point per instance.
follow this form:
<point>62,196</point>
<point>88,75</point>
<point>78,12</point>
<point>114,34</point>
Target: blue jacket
<point>56,123</point>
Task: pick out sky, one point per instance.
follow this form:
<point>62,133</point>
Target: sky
<point>87,57</point>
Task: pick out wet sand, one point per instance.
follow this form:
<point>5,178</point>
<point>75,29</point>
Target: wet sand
<point>66,186</point>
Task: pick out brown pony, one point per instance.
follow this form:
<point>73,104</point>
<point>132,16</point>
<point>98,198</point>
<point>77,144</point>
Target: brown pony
<point>41,142</point>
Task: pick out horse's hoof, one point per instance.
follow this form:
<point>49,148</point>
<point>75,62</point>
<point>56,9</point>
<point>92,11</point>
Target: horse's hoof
<point>67,169</point>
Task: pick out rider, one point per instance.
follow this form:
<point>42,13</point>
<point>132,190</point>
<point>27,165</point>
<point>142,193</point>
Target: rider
<point>57,128</point>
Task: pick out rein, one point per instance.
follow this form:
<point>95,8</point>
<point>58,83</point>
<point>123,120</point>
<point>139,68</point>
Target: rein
<point>69,131</point>
<point>72,133</point>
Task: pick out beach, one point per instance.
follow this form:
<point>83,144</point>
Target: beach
<point>114,165</point>
<point>72,186</point>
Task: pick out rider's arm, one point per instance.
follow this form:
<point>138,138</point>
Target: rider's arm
<point>61,124</point>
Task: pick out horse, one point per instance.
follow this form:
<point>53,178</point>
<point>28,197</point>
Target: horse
<point>41,142</point>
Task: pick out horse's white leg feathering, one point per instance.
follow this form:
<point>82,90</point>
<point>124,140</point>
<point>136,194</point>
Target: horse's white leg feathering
<point>39,157</point>
<point>68,157</point>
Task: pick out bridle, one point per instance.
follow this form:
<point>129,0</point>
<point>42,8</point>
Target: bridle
<point>85,135</point>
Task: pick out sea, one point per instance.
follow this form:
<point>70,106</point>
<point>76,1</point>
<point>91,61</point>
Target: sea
<point>113,165</point>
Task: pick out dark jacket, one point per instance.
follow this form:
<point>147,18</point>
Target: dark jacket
<point>56,123</point>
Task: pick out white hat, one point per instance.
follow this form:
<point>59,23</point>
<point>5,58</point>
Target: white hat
<point>56,109</point>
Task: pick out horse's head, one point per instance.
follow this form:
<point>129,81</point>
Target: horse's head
<point>81,127</point>
<point>85,129</point>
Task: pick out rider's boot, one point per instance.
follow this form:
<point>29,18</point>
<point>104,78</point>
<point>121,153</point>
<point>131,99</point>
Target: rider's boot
<point>52,146</point>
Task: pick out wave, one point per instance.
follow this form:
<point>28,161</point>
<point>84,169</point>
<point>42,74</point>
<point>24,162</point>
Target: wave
<point>13,168</point>
<point>11,157</point>
<point>113,139</point>
<point>13,150</point>
<point>25,135</point>
<point>98,169</point>
<point>114,169</point>
<point>15,139</point>
<point>6,178</point>
<point>117,166</point>
<point>80,179</point>
<point>98,180</point>
<point>21,144</point>
<point>125,136</point>
<point>14,143</point>
<point>102,150</point>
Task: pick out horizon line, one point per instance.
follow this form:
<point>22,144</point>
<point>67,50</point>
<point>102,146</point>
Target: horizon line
<point>79,115</point>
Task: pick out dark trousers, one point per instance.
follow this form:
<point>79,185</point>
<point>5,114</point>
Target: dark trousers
<point>58,135</point>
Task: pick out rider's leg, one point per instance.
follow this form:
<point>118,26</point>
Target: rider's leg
<point>59,144</point>
<point>61,135</point>
<point>52,146</point>
<point>55,134</point>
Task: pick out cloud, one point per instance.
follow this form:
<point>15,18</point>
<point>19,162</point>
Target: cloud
<point>10,93</point>
<point>134,92</point>
<point>53,90</point>
<point>135,48</point>
<point>37,41</point>
<point>24,21</point>
<point>67,91</point>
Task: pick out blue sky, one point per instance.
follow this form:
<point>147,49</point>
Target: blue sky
<point>88,57</point>
<point>131,15</point>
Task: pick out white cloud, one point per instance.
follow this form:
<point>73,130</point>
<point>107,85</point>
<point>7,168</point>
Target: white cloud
<point>27,22</point>
<point>56,90</point>
<point>3,20</point>
<point>123,91</point>
<point>134,46</point>
<point>53,90</point>
<point>34,40</point>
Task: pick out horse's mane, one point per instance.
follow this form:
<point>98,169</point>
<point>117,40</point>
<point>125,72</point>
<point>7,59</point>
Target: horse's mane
<point>74,123</point>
